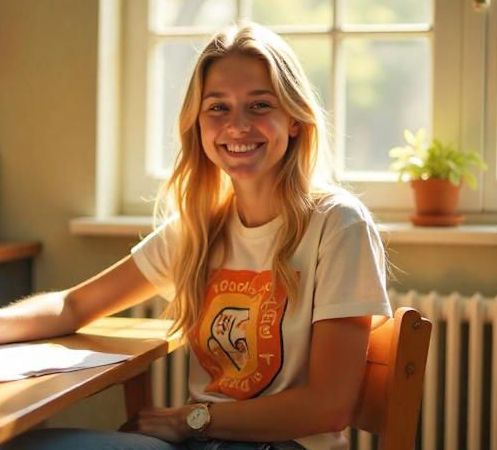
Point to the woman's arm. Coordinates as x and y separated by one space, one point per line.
326 403
57 313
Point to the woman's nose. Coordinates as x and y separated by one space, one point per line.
238 123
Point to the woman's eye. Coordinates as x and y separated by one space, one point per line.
217 107
259 106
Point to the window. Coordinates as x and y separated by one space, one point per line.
380 66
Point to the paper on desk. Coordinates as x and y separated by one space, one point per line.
19 361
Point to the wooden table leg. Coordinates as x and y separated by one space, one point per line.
138 393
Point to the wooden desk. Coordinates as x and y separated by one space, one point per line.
27 402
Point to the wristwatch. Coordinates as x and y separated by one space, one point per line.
198 419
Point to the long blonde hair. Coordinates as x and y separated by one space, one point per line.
203 195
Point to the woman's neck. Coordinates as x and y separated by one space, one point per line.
255 206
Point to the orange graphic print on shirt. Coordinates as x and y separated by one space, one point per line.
238 337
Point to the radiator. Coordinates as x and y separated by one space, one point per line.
459 409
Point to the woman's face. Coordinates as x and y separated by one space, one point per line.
244 129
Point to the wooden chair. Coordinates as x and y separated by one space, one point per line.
393 384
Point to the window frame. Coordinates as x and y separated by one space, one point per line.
464 74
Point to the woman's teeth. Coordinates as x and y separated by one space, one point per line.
241 148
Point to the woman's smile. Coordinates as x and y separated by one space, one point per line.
241 148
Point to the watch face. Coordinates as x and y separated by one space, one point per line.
198 417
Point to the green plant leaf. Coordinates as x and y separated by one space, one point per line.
455 178
420 160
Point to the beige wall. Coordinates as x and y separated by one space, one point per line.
47 164
47 134
443 268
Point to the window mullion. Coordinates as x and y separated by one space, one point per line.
243 10
473 93
490 183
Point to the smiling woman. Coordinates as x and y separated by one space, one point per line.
272 276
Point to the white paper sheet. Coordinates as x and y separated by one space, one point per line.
18 361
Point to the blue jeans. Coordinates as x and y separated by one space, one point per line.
81 439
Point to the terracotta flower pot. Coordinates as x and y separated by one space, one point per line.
436 203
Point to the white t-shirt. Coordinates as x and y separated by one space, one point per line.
249 343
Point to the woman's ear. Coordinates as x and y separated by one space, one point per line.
294 128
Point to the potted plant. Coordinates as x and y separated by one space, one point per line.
436 172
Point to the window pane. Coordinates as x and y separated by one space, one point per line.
178 59
387 90
315 55
292 12
214 13
387 11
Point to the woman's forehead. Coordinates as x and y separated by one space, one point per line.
237 72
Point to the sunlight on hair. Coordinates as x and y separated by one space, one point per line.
202 196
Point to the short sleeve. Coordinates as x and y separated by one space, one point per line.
153 256
351 274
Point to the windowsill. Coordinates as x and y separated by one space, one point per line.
391 232
406 233
130 226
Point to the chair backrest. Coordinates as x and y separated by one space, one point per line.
393 384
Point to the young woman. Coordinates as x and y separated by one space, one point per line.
273 278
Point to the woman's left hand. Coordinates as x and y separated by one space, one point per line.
168 424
